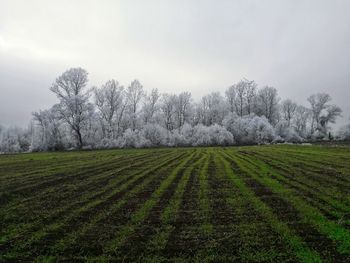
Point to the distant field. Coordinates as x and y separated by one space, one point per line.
243 204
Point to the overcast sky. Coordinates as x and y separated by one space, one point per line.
299 47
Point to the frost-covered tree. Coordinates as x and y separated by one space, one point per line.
74 105
187 134
2 129
220 136
155 134
241 97
288 109
14 140
301 119
49 133
268 103
151 106
344 133
214 135
237 126
135 118
249 129
131 139
333 112
134 94
92 130
318 103
323 113
110 102
260 130
230 95
251 97
168 107
201 136
182 108
286 132
211 110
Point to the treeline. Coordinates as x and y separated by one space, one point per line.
112 116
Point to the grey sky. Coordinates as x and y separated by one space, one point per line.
299 47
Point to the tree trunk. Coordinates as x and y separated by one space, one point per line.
80 139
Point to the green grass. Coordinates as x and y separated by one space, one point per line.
282 203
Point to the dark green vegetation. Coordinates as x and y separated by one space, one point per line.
243 204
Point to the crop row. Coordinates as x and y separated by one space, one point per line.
246 204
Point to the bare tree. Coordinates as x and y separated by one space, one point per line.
73 106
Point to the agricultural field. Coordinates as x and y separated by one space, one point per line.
282 203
